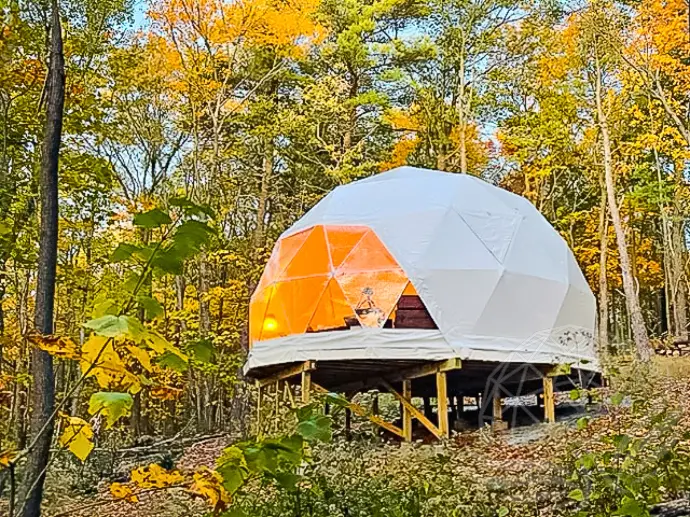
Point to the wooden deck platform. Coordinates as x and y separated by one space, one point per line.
446 381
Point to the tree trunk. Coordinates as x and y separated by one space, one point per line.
603 283
678 277
258 239
203 402
43 391
637 323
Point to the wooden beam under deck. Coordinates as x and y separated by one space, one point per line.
409 411
291 371
408 374
362 412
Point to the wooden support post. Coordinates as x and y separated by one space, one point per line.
442 397
259 403
288 395
427 407
306 386
406 414
498 423
549 404
348 424
408 407
375 405
460 400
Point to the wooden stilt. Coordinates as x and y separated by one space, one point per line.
348 424
549 403
442 396
375 405
413 411
259 403
288 394
427 407
498 423
460 404
306 386
406 414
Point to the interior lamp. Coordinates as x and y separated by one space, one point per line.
270 324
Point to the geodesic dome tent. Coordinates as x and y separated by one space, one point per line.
496 280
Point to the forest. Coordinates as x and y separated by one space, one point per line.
151 154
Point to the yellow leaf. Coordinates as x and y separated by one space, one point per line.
165 393
58 346
6 457
155 476
160 345
77 437
141 355
101 360
209 485
120 491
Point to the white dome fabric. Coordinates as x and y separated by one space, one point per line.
500 283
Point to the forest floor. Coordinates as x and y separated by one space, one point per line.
518 464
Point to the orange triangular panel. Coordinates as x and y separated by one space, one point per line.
369 254
341 241
257 312
332 311
311 259
292 305
373 294
283 252
410 290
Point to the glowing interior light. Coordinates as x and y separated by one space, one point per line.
270 324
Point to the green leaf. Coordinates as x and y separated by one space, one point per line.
622 441
287 480
336 399
232 466
582 423
503 511
151 306
575 394
617 399
202 350
234 512
152 219
191 236
104 307
632 508
172 361
124 252
191 208
113 405
169 261
115 326
316 428
588 461
576 495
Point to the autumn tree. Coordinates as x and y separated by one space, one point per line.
43 388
